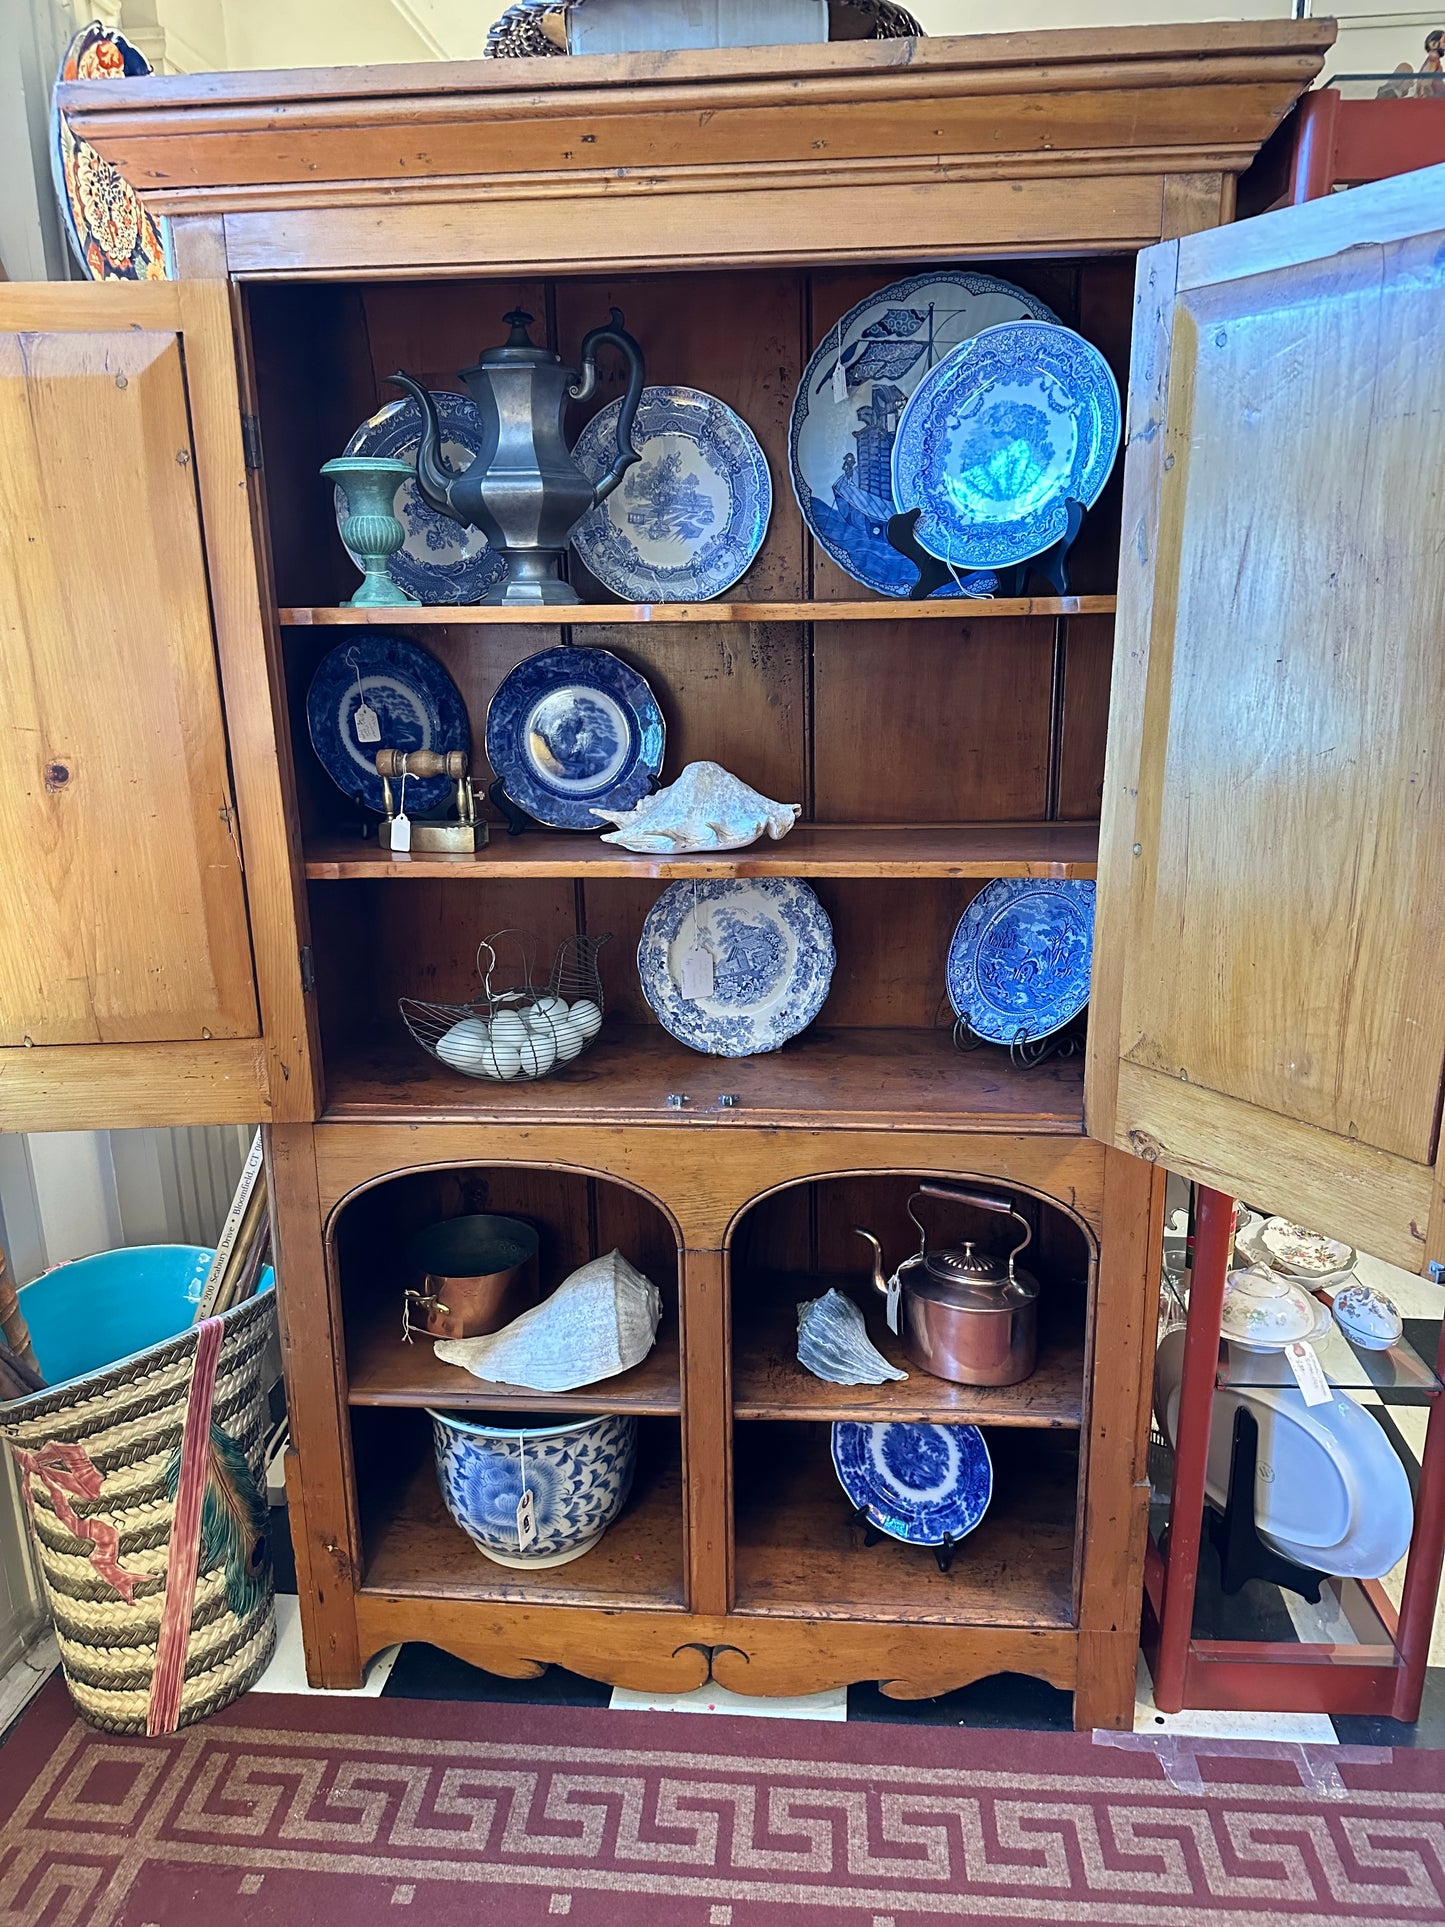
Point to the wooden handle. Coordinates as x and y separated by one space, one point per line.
960 1194
422 762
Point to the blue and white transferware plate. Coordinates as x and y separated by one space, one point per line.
999 438
570 730
1019 962
841 437
689 519
414 701
770 958
922 1484
440 561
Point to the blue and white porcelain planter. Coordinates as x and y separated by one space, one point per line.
579 1473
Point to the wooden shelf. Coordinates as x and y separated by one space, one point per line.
769 1383
811 850
869 1078
384 1370
798 1554
414 1549
573 615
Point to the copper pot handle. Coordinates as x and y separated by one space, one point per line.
985 1200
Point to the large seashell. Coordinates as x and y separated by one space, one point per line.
833 1343
600 1321
705 809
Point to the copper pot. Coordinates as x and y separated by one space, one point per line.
962 1314
477 1274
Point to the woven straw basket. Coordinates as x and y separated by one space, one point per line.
102 1452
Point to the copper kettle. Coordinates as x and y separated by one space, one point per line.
962 1314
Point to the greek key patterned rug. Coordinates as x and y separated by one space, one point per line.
337 1814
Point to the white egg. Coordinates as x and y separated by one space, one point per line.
545 1012
466 1046
503 1060
587 1017
569 1041
538 1054
508 1030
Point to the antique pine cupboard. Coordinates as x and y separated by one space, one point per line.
195 932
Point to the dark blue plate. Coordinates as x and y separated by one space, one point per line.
918 1483
415 701
574 729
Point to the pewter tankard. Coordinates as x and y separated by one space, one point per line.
523 490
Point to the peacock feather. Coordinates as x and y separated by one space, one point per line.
233 1520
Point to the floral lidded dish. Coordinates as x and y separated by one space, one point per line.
1265 1311
1368 1318
1297 1252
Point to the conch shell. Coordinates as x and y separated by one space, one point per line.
705 809
600 1321
833 1343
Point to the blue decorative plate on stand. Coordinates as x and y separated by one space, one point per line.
690 518
1019 962
440 561
767 958
998 440
414 701
570 730
923 1484
841 436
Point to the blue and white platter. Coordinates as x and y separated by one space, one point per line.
690 518
440 561
923 1484
1000 437
841 443
414 701
1019 962
771 957
570 730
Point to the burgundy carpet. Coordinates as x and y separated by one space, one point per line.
329 1813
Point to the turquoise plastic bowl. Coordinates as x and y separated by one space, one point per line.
94 1312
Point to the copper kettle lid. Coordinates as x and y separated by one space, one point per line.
970 1280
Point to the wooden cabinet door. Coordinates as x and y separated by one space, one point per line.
127 986
1269 1005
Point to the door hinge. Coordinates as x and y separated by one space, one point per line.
251 440
308 970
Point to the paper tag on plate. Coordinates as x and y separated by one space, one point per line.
895 1295
840 383
698 973
526 1520
367 724
1309 1373
400 833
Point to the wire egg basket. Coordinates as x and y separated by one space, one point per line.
523 1033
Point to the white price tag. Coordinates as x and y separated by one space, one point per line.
400 833
698 973
840 383
895 1295
367 724
526 1521
1309 1373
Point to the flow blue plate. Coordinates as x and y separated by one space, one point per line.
840 440
771 953
918 1483
1000 437
440 560
690 518
416 705
570 730
1019 962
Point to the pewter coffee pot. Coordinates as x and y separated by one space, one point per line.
962 1314
524 491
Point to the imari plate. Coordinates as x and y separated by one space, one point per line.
1019 962
109 230
440 561
1000 437
923 1484
733 968
572 731
690 518
848 403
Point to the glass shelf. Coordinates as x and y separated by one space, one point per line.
1399 1371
